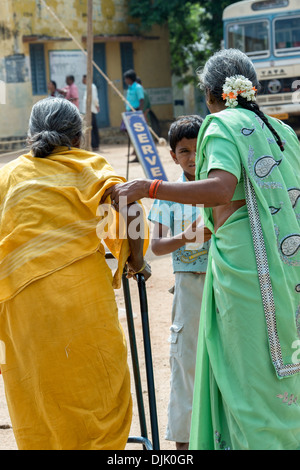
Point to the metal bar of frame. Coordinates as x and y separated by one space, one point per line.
148 360
136 369
143 439
128 156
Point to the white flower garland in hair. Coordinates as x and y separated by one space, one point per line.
235 86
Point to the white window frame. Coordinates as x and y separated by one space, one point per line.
253 55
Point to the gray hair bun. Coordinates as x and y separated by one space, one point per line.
54 122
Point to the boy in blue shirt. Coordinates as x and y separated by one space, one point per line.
189 265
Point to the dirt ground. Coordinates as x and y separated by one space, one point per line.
159 307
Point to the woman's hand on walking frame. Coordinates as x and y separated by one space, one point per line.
136 264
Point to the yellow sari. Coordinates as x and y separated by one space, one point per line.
63 353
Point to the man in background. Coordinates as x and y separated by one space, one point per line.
70 92
53 91
135 96
135 92
95 108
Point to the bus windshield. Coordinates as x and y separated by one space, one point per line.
287 36
252 38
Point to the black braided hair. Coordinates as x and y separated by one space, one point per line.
252 106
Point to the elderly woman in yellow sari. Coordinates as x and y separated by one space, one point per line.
63 355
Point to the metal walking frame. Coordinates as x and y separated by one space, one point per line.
143 439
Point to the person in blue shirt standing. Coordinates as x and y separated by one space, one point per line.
189 265
135 92
135 97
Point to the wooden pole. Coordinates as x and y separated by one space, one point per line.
89 73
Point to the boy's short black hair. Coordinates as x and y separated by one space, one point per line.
184 127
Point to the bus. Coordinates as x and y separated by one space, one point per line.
269 33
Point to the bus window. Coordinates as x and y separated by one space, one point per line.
251 38
287 36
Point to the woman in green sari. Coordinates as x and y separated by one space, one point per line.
247 386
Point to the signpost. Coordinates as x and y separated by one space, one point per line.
144 145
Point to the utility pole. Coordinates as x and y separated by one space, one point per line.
89 73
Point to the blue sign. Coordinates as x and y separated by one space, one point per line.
144 145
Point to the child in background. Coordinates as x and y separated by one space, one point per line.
189 265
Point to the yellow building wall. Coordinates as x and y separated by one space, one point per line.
153 65
29 18
114 71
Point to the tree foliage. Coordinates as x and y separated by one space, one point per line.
195 28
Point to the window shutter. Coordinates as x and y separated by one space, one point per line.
38 69
126 58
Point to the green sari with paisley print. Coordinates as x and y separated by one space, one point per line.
247 385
